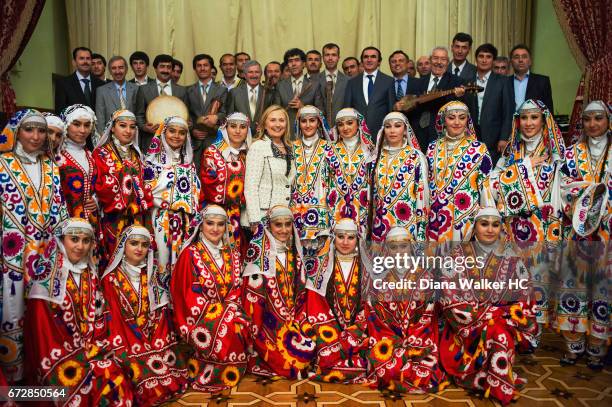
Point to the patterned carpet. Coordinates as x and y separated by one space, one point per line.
549 385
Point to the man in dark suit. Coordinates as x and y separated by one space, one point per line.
272 74
524 84
200 96
115 95
162 85
423 118
250 97
491 110
460 66
139 61
403 83
80 86
371 92
332 83
298 90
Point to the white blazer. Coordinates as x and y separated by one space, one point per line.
265 183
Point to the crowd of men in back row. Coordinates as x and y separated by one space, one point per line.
299 81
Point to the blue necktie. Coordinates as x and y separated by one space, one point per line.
86 91
400 92
370 86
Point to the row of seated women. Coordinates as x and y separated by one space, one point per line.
135 334
543 191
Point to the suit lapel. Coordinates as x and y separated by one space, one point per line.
77 86
530 86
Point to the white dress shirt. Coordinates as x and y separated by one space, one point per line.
79 77
453 66
167 91
365 83
482 82
431 82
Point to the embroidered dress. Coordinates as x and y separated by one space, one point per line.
349 163
140 325
73 352
206 294
30 209
333 315
77 169
273 293
530 199
222 177
174 184
458 180
310 186
123 196
583 306
400 193
482 326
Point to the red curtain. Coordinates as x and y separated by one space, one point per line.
587 25
18 17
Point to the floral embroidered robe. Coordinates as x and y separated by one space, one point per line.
122 193
348 184
272 297
29 216
144 339
223 184
482 326
310 189
458 183
400 194
209 318
175 190
68 346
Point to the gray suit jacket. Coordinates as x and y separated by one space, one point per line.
238 101
337 101
310 96
467 74
107 102
144 96
194 100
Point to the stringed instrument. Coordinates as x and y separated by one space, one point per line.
410 102
213 108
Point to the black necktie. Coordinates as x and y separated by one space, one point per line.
87 91
435 86
457 71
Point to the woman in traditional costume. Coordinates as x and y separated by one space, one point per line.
122 193
77 169
310 186
56 133
67 344
334 309
399 195
273 294
526 184
402 324
349 159
583 311
206 295
139 321
483 326
222 173
459 167
30 211
269 166
172 178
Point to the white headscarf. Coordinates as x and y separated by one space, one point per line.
228 150
81 112
161 153
54 288
108 136
157 284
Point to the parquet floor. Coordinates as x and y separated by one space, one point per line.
549 385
